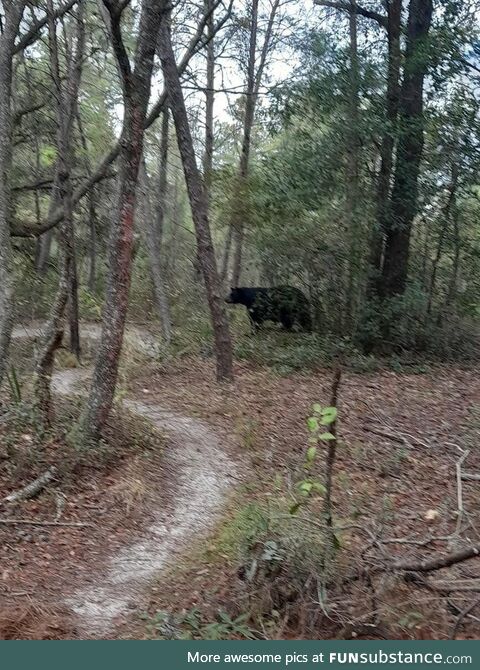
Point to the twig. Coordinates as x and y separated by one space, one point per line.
394 437
32 489
60 500
417 543
462 616
460 507
31 522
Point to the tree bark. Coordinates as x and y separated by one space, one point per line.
209 101
403 201
152 227
394 29
92 212
12 15
198 203
177 218
352 171
136 82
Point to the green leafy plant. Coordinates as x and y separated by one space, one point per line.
317 425
190 626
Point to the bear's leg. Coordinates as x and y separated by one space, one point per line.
286 320
255 320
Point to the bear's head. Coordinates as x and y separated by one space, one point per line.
234 297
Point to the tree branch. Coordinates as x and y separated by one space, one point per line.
197 43
381 19
32 34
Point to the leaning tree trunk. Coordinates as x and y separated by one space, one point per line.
403 201
11 20
136 84
199 205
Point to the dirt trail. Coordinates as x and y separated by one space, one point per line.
204 476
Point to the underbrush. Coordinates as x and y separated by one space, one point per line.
286 353
407 327
276 569
27 450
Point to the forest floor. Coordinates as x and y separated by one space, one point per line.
233 449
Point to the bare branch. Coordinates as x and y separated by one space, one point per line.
438 563
32 34
381 19
197 43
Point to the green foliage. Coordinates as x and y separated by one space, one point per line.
400 329
242 530
89 305
310 486
192 626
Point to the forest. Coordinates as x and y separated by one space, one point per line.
239 319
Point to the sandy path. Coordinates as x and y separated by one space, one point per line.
204 476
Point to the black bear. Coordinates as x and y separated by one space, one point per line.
282 304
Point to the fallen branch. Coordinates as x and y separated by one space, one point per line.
394 437
460 506
34 488
438 563
401 437
470 477
31 522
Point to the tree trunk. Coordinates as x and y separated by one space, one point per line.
403 201
92 212
352 172
198 203
65 95
452 286
226 254
153 231
209 101
44 247
12 14
239 209
394 30
441 240
254 80
177 218
136 84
